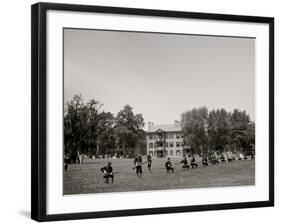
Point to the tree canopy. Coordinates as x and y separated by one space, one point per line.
129 128
218 130
193 124
89 129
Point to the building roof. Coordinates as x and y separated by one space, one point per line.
164 127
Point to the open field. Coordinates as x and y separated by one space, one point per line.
87 177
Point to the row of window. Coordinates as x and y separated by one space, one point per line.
168 135
171 144
178 153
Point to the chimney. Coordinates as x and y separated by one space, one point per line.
149 124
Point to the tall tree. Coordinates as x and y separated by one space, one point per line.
129 129
193 125
74 126
242 131
105 133
85 126
219 129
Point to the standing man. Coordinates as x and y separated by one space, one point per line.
169 166
108 173
149 161
138 165
66 162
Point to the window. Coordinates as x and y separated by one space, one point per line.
178 135
159 144
182 135
171 152
178 153
171 135
167 144
150 145
159 135
167 136
171 144
150 153
155 145
182 143
178 144
150 136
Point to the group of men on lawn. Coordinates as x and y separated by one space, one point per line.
108 170
109 174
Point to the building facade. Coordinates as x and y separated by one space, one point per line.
165 140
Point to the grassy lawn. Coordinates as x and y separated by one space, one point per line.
87 177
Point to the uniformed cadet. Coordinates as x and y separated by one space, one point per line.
240 156
205 161
66 162
169 166
230 159
193 164
108 173
222 158
214 160
149 162
138 165
184 163
253 154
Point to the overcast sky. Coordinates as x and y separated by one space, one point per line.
159 75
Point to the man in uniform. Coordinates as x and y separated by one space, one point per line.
138 165
240 156
253 154
66 162
214 160
222 158
169 166
184 163
108 173
205 161
149 161
194 164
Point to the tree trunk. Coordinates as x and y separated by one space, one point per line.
98 148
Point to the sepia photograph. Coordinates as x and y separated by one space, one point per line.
146 111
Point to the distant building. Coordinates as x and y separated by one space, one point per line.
165 140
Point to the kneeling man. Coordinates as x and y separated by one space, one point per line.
108 173
169 166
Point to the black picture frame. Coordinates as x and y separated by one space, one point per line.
39 107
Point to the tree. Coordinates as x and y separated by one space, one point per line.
129 129
74 126
193 125
106 137
219 129
242 131
85 127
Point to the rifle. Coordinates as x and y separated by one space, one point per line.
112 173
197 162
140 164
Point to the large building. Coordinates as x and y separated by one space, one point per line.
165 140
